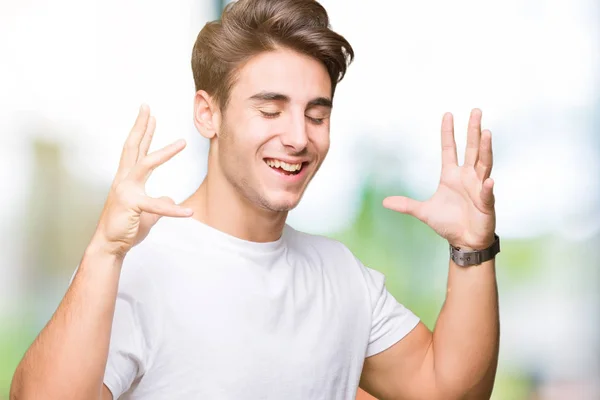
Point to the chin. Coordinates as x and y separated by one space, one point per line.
280 203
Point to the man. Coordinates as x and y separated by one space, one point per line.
222 299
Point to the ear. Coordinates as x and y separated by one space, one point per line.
207 117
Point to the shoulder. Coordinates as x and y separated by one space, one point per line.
332 253
323 245
333 250
170 238
146 263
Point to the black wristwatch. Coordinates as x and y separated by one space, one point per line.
466 258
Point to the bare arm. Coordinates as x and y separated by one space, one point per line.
458 360
68 358
106 394
467 334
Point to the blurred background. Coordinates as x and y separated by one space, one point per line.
74 73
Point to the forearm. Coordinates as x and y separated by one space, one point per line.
466 335
68 358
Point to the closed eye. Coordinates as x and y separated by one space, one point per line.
316 121
270 115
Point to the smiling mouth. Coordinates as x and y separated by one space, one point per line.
285 168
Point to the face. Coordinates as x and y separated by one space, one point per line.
274 134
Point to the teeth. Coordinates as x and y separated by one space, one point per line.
284 165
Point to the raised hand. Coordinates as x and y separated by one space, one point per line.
129 213
462 209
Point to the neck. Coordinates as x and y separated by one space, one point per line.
221 206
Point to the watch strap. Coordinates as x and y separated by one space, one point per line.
466 258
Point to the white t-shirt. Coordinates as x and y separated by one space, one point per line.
201 314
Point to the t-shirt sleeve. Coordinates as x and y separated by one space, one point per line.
126 351
391 321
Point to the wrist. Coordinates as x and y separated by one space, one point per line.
99 262
474 244
101 248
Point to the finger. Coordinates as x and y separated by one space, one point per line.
473 138
487 193
147 164
404 205
147 139
150 219
132 144
164 207
448 143
486 158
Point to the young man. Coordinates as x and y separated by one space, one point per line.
222 299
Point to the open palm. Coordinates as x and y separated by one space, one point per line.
462 208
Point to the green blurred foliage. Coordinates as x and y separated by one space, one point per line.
16 334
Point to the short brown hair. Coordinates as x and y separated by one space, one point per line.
250 27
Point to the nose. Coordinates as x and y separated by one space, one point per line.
295 136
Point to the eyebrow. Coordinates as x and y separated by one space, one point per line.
272 96
320 101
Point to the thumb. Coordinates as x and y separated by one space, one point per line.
404 205
152 219
165 199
